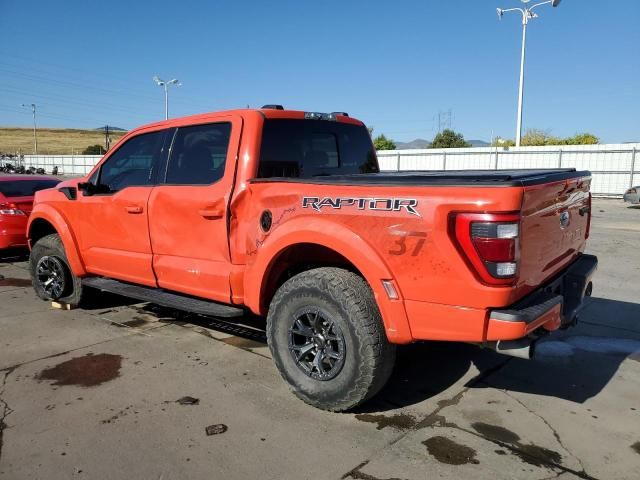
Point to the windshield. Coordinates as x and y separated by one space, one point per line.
311 148
25 188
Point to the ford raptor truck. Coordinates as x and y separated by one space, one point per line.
285 214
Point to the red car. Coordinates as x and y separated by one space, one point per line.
16 203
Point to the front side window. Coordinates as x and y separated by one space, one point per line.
133 163
199 154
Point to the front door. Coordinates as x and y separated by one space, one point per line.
188 213
113 231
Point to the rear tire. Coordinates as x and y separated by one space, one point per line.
51 275
327 339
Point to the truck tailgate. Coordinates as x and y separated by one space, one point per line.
554 228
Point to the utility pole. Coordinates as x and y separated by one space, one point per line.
444 120
166 85
527 14
106 138
35 135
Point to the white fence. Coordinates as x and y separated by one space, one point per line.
615 167
75 165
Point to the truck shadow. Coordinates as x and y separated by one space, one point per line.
13 255
574 365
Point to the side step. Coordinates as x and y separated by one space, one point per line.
163 297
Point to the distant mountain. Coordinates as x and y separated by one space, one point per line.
417 143
111 128
479 143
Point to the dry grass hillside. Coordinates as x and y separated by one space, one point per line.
64 141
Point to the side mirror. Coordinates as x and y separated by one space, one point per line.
87 188
555 3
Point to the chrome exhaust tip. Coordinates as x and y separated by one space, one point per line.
522 348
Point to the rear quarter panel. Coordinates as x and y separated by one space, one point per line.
415 251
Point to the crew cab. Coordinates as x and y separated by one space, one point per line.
285 214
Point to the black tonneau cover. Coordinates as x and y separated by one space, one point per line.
444 178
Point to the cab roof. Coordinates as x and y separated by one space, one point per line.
269 113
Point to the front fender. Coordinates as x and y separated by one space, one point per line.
341 240
45 212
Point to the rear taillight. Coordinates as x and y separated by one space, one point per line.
490 244
10 209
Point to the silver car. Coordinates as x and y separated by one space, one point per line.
632 195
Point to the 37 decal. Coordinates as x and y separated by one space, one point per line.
401 243
379 204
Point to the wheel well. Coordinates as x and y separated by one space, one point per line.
40 228
297 259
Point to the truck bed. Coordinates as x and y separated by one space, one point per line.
446 178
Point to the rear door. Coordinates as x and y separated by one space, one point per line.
112 227
188 213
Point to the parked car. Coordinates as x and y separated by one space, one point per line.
285 214
632 195
16 202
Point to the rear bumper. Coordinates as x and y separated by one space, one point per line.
13 231
553 306
632 198
8 240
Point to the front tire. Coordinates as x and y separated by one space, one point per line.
51 275
327 339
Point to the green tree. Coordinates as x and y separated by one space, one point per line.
449 139
94 150
534 137
502 142
383 143
585 138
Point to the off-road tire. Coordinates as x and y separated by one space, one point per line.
348 299
51 246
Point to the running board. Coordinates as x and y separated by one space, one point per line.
163 297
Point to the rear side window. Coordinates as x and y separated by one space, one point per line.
133 163
25 188
199 154
311 148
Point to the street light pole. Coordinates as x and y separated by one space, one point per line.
35 135
166 85
527 14
525 21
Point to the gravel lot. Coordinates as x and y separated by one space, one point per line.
132 391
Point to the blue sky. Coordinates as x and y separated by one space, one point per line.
392 64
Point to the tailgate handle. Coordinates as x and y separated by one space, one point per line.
211 213
584 210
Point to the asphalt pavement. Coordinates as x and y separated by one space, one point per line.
135 391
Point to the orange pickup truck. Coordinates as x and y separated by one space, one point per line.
285 214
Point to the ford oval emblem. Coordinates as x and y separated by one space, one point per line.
565 219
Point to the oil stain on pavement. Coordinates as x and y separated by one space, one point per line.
530 453
447 451
400 421
86 371
15 282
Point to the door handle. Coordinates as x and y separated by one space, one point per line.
211 213
133 209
